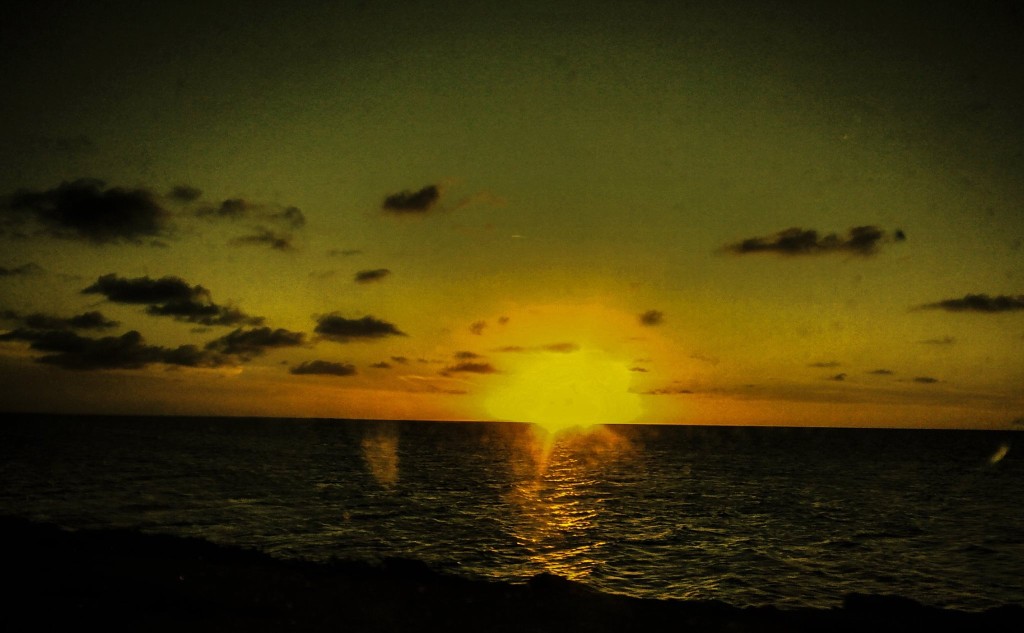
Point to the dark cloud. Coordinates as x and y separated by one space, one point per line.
711 360
370 276
241 209
24 269
266 237
128 351
978 303
558 348
882 372
247 344
412 202
93 320
825 365
344 252
204 313
652 317
638 370
469 367
192 356
401 360
466 355
946 340
860 240
838 377
337 328
232 208
324 367
184 193
381 365
290 216
86 209
170 296
143 290
926 380
667 391
478 327
561 348
502 320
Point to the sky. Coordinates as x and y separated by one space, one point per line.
783 213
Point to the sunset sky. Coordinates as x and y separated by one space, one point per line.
702 213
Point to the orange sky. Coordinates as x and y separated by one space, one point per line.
651 213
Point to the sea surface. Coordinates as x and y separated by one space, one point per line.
751 516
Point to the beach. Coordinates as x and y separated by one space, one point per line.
122 579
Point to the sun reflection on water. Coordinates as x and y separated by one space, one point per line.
559 507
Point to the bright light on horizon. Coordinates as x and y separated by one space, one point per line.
563 391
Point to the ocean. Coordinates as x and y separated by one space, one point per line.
750 516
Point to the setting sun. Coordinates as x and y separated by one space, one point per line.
563 391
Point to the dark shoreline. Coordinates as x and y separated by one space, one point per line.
121 579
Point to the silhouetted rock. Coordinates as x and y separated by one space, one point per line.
119 579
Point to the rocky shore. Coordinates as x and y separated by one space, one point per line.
124 580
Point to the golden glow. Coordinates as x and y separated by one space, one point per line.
559 391
380 452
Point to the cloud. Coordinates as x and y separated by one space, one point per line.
232 209
978 303
237 209
24 269
143 290
838 377
638 370
184 193
93 320
381 365
561 348
324 367
206 314
514 349
412 202
667 391
882 372
925 380
337 328
247 344
558 348
401 360
170 296
466 355
370 276
502 320
652 317
860 240
266 237
344 252
477 327
290 216
87 210
128 351
469 367
825 365
946 340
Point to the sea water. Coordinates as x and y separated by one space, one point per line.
751 516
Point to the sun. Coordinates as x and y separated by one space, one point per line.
561 391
